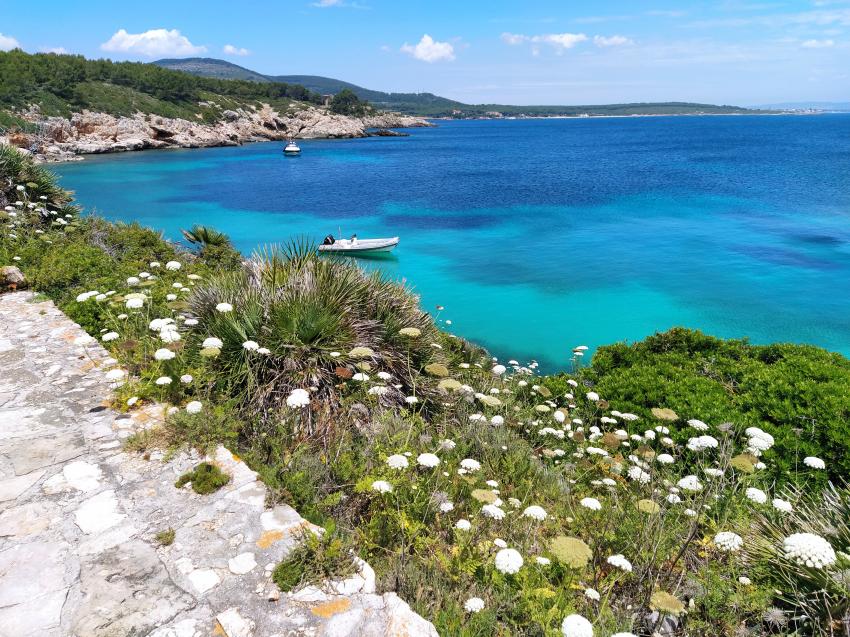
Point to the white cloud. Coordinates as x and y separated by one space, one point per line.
58 50
153 43
614 40
818 44
560 41
7 43
229 49
429 50
513 38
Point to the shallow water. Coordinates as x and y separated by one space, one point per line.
540 235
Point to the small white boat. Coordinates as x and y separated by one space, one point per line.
291 148
355 246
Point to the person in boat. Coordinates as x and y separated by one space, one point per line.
354 239
329 240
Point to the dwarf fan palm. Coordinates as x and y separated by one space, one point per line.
311 312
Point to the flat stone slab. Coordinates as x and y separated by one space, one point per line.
79 516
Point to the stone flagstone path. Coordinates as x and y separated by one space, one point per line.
78 517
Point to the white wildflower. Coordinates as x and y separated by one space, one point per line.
492 511
508 561
470 465
814 462
535 512
298 398
397 461
808 549
728 541
163 354
576 626
620 562
591 503
428 460
756 495
194 407
474 605
382 486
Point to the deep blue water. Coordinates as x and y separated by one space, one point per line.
540 235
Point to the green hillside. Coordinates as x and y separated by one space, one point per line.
63 84
430 105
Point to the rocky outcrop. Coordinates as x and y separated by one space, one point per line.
79 517
11 278
84 133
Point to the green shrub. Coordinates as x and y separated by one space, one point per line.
320 557
206 478
798 393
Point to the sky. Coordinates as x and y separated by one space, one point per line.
743 52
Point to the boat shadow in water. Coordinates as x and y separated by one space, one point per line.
365 256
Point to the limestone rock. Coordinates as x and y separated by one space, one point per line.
90 132
11 278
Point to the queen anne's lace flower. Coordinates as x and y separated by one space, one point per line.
689 483
701 443
756 495
493 511
808 549
463 525
620 562
212 342
171 265
639 475
782 505
474 605
194 407
576 626
298 398
164 354
699 425
470 465
427 460
382 486
591 503
508 561
397 461
535 512
814 462
728 541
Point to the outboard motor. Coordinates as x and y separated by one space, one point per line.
329 240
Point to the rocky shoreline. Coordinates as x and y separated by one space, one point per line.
85 133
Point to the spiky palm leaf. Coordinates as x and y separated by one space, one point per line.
206 236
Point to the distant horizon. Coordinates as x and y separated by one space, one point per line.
730 52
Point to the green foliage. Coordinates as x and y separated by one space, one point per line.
347 103
307 310
798 393
214 247
320 557
61 84
166 537
206 478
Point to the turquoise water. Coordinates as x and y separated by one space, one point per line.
540 235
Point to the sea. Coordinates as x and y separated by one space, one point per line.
537 236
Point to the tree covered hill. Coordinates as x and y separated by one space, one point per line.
63 84
430 105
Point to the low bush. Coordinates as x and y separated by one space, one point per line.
206 478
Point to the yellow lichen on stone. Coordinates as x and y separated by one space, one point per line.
329 609
268 538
